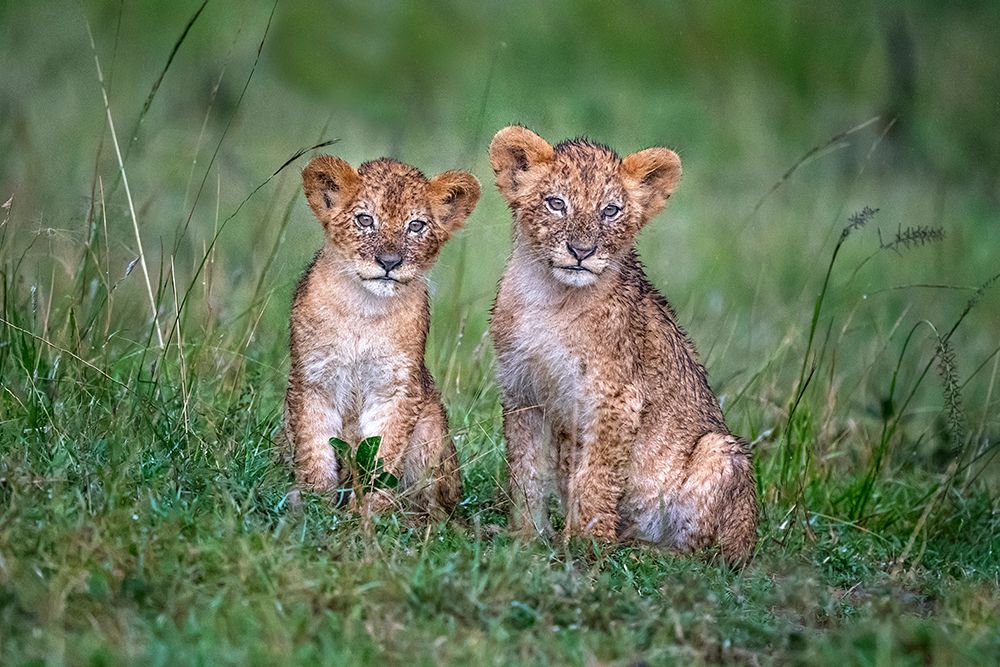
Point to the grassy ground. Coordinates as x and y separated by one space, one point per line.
143 508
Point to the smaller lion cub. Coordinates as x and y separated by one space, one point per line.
359 325
602 391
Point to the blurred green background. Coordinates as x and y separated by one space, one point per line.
741 92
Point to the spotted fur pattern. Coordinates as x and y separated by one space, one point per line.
605 401
359 327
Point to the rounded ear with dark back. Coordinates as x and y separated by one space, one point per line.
651 175
514 152
330 184
453 195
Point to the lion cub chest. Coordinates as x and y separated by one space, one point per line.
543 365
359 375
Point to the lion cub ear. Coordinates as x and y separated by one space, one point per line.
453 195
330 184
514 152
651 176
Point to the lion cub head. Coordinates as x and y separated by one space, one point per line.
578 206
386 220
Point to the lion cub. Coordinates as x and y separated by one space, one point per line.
359 324
590 355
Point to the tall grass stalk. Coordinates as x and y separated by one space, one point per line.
128 193
795 456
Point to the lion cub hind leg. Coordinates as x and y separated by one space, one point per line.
431 469
722 495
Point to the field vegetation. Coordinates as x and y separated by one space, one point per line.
832 250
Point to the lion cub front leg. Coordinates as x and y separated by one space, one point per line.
431 472
523 430
311 419
598 476
391 416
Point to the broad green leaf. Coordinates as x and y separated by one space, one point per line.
367 456
386 480
342 448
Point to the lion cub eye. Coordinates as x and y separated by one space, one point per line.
555 204
611 211
364 220
416 226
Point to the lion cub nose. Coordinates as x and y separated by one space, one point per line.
389 261
581 252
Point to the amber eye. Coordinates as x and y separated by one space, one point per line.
416 226
611 211
555 204
364 220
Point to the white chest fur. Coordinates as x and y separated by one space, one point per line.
362 376
540 367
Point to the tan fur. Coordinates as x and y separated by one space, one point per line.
602 390
358 330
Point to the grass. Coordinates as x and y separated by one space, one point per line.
143 507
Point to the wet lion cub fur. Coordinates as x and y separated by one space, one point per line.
602 390
359 325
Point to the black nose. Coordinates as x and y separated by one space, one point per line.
580 252
389 261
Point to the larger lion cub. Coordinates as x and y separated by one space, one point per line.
602 390
359 325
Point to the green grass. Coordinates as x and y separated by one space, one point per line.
143 509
